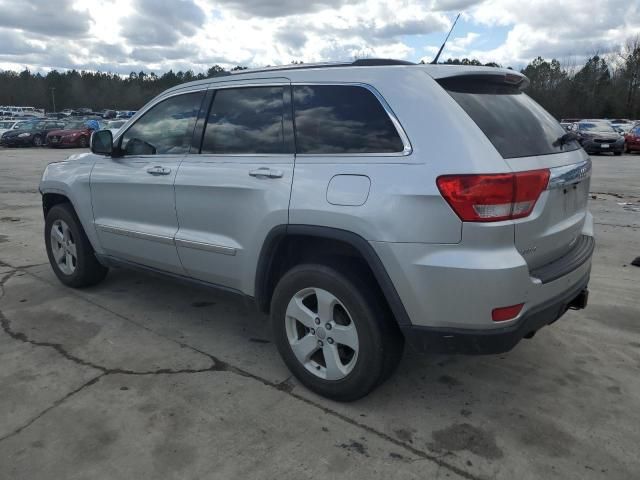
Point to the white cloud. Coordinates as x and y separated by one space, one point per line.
158 35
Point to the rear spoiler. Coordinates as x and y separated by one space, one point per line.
470 73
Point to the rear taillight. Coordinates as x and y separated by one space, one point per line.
495 196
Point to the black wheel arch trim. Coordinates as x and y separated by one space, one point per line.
280 232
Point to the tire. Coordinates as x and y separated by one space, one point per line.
357 305
81 270
82 142
37 141
625 149
617 154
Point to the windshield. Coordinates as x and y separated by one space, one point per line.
599 127
514 123
31 126
74 126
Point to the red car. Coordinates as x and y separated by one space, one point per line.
74 134
632 139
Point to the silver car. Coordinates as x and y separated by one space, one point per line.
362 205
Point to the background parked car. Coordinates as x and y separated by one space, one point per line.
114 126
598 136
125 114
11 124
632 139
31 133
73 134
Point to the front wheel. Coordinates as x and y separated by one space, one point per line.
82 142
334 332
37 141
70 253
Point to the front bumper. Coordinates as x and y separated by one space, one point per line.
16 142
591 146
58 141
470 341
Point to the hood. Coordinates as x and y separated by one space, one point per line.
15 133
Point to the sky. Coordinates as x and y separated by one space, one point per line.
121 36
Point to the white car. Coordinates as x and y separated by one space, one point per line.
114 126
24 112
6 125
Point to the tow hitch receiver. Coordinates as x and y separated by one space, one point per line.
580 301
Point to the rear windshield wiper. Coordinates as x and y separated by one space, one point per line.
564 139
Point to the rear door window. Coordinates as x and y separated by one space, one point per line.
339 119
248 120
514 123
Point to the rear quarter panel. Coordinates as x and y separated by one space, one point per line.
404 204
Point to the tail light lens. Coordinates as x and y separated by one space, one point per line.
493 197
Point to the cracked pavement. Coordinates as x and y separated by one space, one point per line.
140 377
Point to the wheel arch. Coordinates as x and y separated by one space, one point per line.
52 198
289 245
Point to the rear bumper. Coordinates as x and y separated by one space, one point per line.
477 341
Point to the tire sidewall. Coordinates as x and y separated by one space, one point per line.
60 212
368 366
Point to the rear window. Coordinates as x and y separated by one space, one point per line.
339 119
515 124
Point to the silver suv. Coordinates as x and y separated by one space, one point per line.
361 205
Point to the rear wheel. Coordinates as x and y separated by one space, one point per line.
82 142
70 253
617 154
334 332
37 141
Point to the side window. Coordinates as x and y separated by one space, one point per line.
336 119
166 128
246 120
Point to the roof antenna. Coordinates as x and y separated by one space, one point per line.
435 60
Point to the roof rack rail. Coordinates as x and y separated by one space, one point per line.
362 62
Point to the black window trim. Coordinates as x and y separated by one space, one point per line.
406 151
287 120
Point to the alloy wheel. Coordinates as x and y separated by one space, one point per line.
322 334
63 247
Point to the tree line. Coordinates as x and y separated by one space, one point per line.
604 87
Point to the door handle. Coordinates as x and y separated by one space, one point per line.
264 172
158 170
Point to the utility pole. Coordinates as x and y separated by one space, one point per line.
53 97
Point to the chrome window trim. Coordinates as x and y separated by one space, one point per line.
207 247
407 150
564 176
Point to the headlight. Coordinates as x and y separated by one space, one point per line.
24 135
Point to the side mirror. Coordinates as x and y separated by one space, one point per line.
101 142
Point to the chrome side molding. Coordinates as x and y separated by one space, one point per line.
134 234
569 174
207 247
